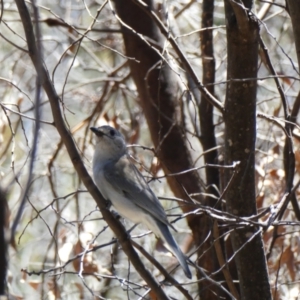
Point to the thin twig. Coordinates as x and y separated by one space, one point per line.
75 157
209 97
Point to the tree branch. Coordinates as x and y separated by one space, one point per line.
74 155
208 96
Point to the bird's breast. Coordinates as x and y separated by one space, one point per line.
124 206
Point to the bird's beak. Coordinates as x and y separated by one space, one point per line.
97 131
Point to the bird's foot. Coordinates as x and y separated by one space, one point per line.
115 214
108 204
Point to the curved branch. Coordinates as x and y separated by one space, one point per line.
74 155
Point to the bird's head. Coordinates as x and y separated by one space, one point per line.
110 143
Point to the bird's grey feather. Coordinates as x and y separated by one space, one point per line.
126 178
169 240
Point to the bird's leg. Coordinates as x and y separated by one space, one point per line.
115 214
108 204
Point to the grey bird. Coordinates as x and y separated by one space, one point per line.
121 183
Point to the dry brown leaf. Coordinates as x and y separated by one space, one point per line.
34 284
288 259
277 110
89 264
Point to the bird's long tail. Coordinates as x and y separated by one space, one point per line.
167 237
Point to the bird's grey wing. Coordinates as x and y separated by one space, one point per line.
126 178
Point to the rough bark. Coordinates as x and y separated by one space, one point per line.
208 259
240 135
294 11
208 139
3 243
289 156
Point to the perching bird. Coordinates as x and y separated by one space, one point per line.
121 183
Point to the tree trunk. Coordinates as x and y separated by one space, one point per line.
208 259
240 135
158 90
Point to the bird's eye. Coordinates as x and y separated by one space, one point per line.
112 132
